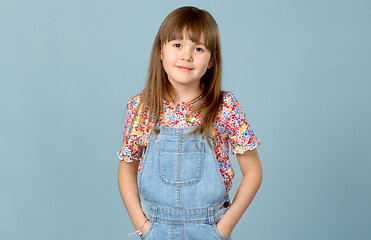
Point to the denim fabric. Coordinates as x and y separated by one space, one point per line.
181 189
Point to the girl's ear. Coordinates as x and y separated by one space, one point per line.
211 64
161 54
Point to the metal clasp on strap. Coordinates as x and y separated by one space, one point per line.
157 131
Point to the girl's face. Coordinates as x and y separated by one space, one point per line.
185 62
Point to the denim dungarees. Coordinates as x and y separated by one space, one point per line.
180 186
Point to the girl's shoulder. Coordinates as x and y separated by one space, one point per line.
228 95
229 99
134 101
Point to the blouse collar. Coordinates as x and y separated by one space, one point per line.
191 102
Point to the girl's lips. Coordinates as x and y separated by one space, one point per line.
184 68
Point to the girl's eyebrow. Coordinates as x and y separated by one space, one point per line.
182 40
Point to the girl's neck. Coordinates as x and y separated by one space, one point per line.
185 94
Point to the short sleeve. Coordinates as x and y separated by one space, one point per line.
240 134
132 147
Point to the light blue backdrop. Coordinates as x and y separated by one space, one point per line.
300 69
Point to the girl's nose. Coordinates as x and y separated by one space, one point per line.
186 55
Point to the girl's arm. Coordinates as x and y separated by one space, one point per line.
127 181
252 178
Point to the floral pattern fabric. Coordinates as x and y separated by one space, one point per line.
231 128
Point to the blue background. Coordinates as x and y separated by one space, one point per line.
300 69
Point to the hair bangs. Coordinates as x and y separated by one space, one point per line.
190 25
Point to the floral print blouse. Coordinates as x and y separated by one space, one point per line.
231 128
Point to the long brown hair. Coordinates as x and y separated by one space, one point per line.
194 24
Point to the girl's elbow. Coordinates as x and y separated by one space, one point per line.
259 174
260 179
256 175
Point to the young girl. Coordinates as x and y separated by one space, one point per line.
175 173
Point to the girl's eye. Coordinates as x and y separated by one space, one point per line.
177 45
198 49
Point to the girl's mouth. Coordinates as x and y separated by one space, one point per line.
184 68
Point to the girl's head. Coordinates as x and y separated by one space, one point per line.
192 24
199 27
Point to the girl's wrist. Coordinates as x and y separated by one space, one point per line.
146 228
226 224
139 230
224 228
138 224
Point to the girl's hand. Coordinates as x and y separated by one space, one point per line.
146 227
224 230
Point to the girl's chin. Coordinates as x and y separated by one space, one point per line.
185 82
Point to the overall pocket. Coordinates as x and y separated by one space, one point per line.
217 233
148 233
180 164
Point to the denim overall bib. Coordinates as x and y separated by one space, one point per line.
180 186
